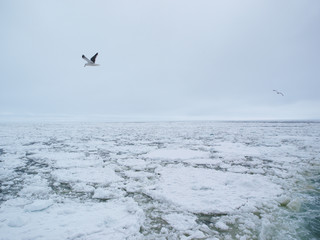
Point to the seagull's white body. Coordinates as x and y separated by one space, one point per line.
277 92
92 61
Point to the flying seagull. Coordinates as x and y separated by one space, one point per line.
277 92
92 61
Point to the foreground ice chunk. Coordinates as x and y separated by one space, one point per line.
294 205
73 220
209 191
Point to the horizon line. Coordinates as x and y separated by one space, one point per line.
142 118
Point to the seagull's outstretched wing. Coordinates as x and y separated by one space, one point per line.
277 92
85 58
93 59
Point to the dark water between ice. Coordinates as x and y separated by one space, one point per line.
310 210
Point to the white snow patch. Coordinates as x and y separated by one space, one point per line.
5 173
38 205
138 174
17 202
83 187
181 222
238 169
17 221
176 154
222 226
136 164
34 190
35 186
230 150
71 220
88 175
202 161
209 191
72 159
103 193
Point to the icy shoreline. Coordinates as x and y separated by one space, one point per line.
178 180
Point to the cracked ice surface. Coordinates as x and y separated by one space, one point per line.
175 180
209 191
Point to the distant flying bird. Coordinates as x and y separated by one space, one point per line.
92 61
277 92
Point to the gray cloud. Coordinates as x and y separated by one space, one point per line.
161 59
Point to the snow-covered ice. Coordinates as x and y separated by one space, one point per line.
101 175
174 154
210 191
166 180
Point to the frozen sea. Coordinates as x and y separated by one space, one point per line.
160 180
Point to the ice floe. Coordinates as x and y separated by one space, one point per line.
175 180
73 220
201 190
38 205
176 154
89 174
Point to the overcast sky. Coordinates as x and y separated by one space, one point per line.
160 59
